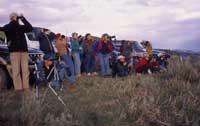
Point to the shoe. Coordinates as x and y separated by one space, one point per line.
89 74
149 71
94 73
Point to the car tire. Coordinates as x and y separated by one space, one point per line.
3 78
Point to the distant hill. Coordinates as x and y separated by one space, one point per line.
183 53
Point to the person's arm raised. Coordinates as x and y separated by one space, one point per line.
27 27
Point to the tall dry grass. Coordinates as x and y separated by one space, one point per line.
170 98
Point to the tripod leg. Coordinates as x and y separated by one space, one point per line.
37 91
59 98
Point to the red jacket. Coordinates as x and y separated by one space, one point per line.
141 63
109 45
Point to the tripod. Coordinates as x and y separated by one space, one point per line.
53 71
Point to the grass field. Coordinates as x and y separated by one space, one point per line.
171 98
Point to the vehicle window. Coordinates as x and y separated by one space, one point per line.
137 46
2 37
31 36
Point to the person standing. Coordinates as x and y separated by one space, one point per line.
76 50
126 48
103 48
147 45
62 47
46 38
89 54
18 50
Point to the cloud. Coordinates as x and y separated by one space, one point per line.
168 24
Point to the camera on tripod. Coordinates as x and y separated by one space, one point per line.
51 69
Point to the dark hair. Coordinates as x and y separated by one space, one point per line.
87 35
123 41
63 36
80 36
103 36
74 33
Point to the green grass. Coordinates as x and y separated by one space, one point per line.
171 98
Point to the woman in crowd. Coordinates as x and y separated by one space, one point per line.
88 51
76 50
104 47
62 48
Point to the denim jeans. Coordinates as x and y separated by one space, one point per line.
89 63
104 63
83 68
77 63
68 60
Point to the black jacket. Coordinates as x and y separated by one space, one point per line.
122 70
15 35
46 44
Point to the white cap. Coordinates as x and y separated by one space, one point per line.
120 57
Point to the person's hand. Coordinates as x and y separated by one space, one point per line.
129 65
47 32
21 16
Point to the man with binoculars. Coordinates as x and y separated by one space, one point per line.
18 49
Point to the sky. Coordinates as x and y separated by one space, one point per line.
169 24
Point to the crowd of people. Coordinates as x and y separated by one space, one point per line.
74 56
